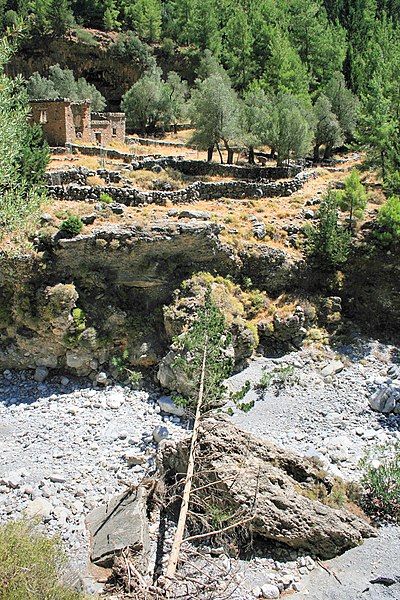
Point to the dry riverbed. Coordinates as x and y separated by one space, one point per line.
67 447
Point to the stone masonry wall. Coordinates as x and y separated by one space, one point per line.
197 191
192 167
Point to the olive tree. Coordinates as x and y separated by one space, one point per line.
215 114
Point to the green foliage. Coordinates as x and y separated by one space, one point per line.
353 199
389 222
381 481
61 83
122 364
279 377
238 396
105 198
207 332
145 18
129 45
31 565
215 113
327 130
79 320
291 131
23 155
85 37
149 104
328 244
72 225
34 155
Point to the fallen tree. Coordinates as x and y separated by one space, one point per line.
269 488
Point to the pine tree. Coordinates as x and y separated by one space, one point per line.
21 153
353 199
59 16
328 244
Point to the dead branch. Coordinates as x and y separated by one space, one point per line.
176 546
218 531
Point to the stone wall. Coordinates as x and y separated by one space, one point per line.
153 142
197 191
195 168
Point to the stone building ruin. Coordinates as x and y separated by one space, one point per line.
64 122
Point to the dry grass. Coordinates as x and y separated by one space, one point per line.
233 214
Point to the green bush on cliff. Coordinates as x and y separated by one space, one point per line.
328 244
389 222
381 481
72 225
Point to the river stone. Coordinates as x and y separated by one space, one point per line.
115 400
119 524
384 400
270 591
194 214
160 433
40 507
41 374
335 366
168 406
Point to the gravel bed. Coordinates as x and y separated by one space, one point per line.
67 448
322 413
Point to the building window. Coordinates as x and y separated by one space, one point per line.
97 136
114 132
43 117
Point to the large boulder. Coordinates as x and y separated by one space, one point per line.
271 485
121 523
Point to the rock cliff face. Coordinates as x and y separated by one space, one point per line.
112 75
372 289
83 300
87 298
118 278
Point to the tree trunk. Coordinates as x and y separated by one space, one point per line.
316 153
328 151
210 152
220 154
176 546
251 155
230 156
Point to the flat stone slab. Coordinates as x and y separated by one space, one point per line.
119 524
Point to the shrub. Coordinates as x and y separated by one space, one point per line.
328 244
280 376
79 320
389 222
31 565
122 364
381 481
105 198
72 225
86 37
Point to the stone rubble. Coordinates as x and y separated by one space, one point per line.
67 447
324 413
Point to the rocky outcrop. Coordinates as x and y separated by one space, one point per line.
371 290
237 308
112 74
88 298
269 485
270 269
